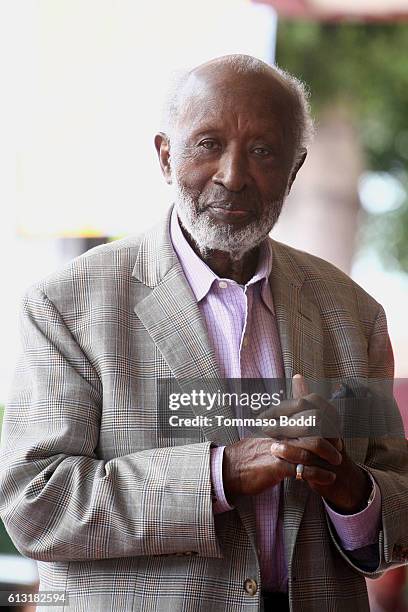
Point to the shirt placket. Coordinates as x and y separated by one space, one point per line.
244 348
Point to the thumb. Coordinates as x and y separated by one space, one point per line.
299 386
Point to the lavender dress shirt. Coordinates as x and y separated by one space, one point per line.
242 329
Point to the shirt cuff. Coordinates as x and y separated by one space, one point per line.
360 529
219 500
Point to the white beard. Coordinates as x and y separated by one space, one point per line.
210 235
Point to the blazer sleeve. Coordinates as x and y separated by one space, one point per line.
58 500
387 460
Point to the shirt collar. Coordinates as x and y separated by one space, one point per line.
200 277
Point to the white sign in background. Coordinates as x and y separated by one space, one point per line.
95 78
82 82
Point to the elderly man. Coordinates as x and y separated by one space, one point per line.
121 513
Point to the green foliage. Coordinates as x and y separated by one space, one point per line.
365 69
6 546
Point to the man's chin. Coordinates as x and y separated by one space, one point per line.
236 237
231 242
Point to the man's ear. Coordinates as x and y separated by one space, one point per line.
297 167
162 144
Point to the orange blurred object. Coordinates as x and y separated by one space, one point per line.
387 593
338 10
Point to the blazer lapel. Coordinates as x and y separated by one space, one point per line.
172 318
301 337
298 318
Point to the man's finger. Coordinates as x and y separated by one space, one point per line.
317 475
287 408
309 451
319 447
311 473
299 386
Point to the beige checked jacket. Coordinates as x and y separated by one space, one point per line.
116 512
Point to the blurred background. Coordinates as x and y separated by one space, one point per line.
82 85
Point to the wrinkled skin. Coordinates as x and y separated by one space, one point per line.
254 464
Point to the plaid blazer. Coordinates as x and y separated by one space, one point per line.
118 514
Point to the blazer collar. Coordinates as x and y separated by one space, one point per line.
297 314
156 255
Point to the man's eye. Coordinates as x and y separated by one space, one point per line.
208 144
261 151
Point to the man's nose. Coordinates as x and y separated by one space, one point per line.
232 171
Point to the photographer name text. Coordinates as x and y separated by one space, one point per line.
220 420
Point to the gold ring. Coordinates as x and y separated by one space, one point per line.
299 471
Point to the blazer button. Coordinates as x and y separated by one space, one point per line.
250 586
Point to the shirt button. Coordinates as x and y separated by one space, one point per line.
222 285
250 586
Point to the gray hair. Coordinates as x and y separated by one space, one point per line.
303 125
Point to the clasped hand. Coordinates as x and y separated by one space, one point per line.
254 464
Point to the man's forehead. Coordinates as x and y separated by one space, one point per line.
218 77
211 89
198 121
